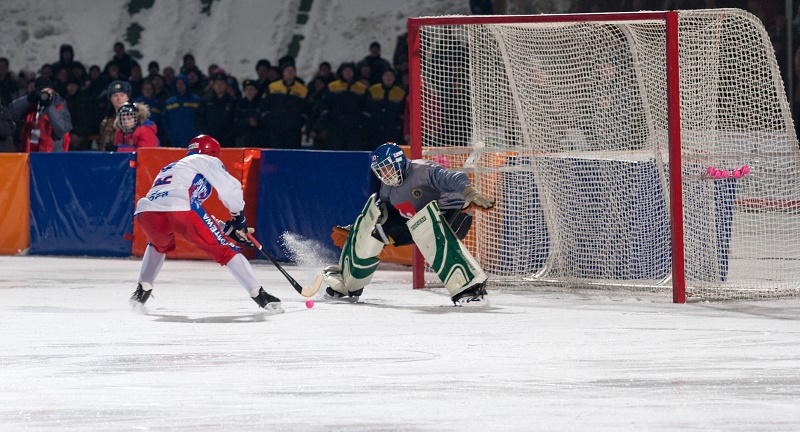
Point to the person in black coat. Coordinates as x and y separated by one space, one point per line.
215 116
122 60
7 128
249 129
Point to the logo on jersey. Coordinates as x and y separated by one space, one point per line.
156 195
162 181
416 193
212 225
199 190
419 222
406 209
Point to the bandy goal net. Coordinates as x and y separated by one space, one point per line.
651 150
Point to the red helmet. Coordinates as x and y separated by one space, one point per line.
204 144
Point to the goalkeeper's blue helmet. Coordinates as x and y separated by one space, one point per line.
389 163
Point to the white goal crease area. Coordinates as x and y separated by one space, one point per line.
649 151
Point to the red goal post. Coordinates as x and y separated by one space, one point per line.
615 145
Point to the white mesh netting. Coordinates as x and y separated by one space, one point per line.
566 125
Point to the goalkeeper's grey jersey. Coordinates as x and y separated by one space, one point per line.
423 182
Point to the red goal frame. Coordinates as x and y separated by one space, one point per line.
673 116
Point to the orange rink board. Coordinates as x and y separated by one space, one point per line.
15 205
240 163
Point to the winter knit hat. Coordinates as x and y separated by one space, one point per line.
43 82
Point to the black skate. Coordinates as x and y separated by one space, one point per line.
268 302
472 296
140 296
332 294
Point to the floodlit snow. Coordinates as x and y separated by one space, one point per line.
76 358
235 36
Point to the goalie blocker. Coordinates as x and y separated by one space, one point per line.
455 266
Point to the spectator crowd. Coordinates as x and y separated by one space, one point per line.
120 107
357 106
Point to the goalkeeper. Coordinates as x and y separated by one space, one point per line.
419 202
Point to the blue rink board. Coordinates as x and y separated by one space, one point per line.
307 193
81 203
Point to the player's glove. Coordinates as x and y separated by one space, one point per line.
384 209
236 228
472 196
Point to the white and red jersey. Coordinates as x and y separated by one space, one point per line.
185 184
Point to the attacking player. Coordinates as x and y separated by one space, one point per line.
419 202
174 206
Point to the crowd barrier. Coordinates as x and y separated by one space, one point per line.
14 203
81 203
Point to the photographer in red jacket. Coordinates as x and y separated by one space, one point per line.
44 119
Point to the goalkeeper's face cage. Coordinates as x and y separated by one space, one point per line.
389 163
128 117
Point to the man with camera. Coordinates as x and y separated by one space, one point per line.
44 119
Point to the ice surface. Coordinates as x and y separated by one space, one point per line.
75 358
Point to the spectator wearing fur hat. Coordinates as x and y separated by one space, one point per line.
44 118
134 130
118 92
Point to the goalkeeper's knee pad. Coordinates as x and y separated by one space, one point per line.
359 258
443 251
